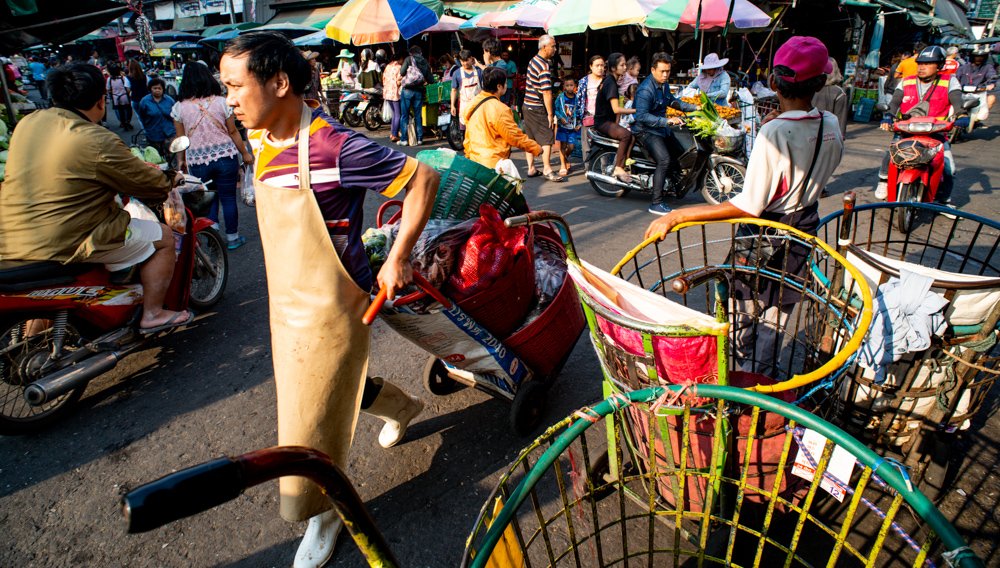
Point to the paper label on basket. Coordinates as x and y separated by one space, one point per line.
838 470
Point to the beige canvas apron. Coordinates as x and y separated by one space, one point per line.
318 344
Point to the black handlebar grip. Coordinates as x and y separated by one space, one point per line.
182 494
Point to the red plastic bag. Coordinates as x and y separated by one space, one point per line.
489 253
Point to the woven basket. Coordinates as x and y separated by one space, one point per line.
465 185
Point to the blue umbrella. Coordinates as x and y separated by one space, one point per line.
317 39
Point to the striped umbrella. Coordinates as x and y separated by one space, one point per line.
575 16
524 14
703 14
364 22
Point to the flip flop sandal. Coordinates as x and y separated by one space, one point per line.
187 316
564 172
552 176
534 174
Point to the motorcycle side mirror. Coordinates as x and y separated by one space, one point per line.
179 144
881 107
969 104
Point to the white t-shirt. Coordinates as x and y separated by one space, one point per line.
780 159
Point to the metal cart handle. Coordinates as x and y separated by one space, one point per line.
202 487
555 219
427 289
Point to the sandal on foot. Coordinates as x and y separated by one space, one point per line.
563 172
533 174
179 319
552 176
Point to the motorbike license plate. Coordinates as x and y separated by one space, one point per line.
362 105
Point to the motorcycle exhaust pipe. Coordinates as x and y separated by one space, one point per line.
614 181
61 382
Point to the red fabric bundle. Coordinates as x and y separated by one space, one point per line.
489 253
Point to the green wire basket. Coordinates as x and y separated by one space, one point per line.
560 505
466 185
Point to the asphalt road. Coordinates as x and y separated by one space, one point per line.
208 391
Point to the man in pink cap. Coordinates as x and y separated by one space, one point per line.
795 153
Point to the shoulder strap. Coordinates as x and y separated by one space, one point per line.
479 104
819 142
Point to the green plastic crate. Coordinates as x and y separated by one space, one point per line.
465 185
438 93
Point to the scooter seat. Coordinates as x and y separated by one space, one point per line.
20 275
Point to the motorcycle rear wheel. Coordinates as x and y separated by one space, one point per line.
351 117
908 193
456 137
603 162
723 182
19 367
210 256
373 117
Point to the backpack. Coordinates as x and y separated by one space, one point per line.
414 76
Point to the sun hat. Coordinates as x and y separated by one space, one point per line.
345 54
712 61
806 56
309 55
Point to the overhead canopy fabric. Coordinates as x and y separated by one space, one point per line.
311 17
470 8
953 13
54 22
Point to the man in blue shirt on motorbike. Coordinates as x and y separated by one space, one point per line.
652 127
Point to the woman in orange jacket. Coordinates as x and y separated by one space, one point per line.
490 130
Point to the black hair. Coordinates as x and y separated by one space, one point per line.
75 86
796 90
594 58
493 47
271 53
464 55
569 77
198 82
613 59
661 57
493 78
633 61
156 81
415 51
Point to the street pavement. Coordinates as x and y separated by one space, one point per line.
207 391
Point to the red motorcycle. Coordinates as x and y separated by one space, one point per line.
62 325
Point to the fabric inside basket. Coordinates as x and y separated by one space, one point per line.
968 307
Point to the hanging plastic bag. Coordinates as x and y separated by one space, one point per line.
386 112
173 212
138 210
247 193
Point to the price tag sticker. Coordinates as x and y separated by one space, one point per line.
841 464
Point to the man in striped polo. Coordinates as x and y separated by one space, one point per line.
539 108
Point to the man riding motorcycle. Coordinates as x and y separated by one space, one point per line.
58 201
925 94
652 127
981 74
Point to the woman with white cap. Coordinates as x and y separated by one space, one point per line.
713 80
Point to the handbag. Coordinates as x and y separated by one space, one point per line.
752 246
588 120
414 76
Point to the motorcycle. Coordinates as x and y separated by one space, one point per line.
916 165
62 325
978 111
362 107
704 163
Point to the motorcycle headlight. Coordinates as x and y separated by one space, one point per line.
920 127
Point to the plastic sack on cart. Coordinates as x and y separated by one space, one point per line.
682 359
489 253
436 252
506 167
550 272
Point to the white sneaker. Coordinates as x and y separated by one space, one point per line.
318 543
882 190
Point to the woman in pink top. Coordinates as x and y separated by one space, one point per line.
216 146
392 79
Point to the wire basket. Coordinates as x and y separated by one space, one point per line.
915 404
781 326
466 185
560 505
728 145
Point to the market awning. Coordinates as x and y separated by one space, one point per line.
54 21
948 18
311 17
471 8
953 13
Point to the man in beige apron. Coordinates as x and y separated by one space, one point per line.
319 345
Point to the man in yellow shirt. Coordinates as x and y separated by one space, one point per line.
490 130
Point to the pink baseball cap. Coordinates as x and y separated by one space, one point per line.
806 56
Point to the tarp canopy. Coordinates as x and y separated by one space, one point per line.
312 17
470 8
25 23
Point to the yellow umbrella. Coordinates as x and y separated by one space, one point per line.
575 16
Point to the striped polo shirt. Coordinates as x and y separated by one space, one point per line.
539 80
343 166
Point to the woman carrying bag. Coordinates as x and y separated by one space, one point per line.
216 146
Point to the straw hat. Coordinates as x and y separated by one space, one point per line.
309 55
345 54
712 61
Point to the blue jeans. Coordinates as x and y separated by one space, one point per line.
413 99
396 115
224 173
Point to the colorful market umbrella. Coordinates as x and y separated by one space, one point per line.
703 14
446 24
524 14
575 16
317 39
364 22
